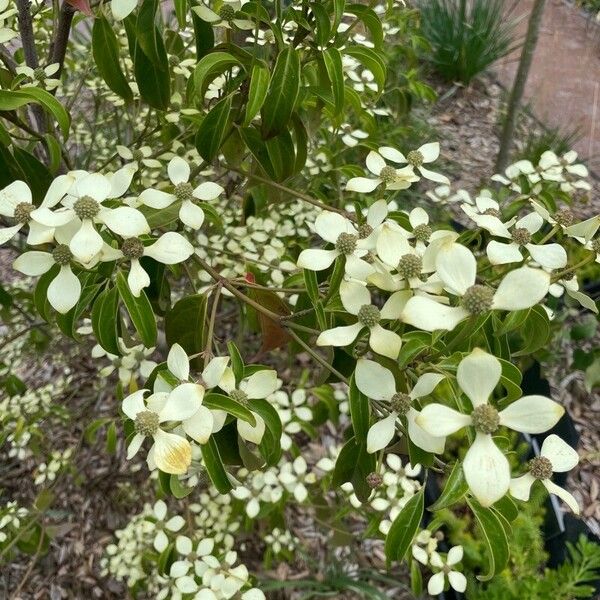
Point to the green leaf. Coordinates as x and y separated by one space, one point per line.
105 50
105 320
370 20
35 173
333 64
140 311
359 411
204 34
404 528
13 99
354 464
258 149
147 34
495 538
185 324
216 401
214 466
213 129
153 79
178 489
370 59
68 322
312 286
237 364
454 490
211 66
282 94
535 331
259 85
270 445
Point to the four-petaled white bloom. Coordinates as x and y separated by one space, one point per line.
486 469
174 524
170 248
83 207
426 153
394 179
16 202
225 17
42 76
170 452
357 301
179 174
341 232
556 456
457 269
456 579
378 383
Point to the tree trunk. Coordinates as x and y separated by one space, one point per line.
516 95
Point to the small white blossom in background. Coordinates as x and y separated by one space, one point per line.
281 541
11 515
47 471
447 571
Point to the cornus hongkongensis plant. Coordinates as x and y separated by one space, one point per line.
208 205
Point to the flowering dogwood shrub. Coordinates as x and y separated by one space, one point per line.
204 191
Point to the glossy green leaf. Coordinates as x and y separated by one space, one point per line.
257 93
147 34
270 445
333 64
370 59
214 466
494 536
140 311
185 324
213 129
354 464
404 528
282 94
105 320
454 490
211 66
105 50
216 401
13 99
360 412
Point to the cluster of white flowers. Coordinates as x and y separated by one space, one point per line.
47 471
201 565
262 243
11 516
281 541
75 210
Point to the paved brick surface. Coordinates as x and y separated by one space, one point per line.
564 82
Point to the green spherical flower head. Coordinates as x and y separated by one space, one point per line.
346 243
374 480
415 158
364 231
227 12
369 315
485 418
422 232
132 248
184 191
173 60
478 299
409 266
62 255
23 211
39 74
521 236
146 422
239 396
493 212
388 174
595 244
86 207
540 467
564 217
400 403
